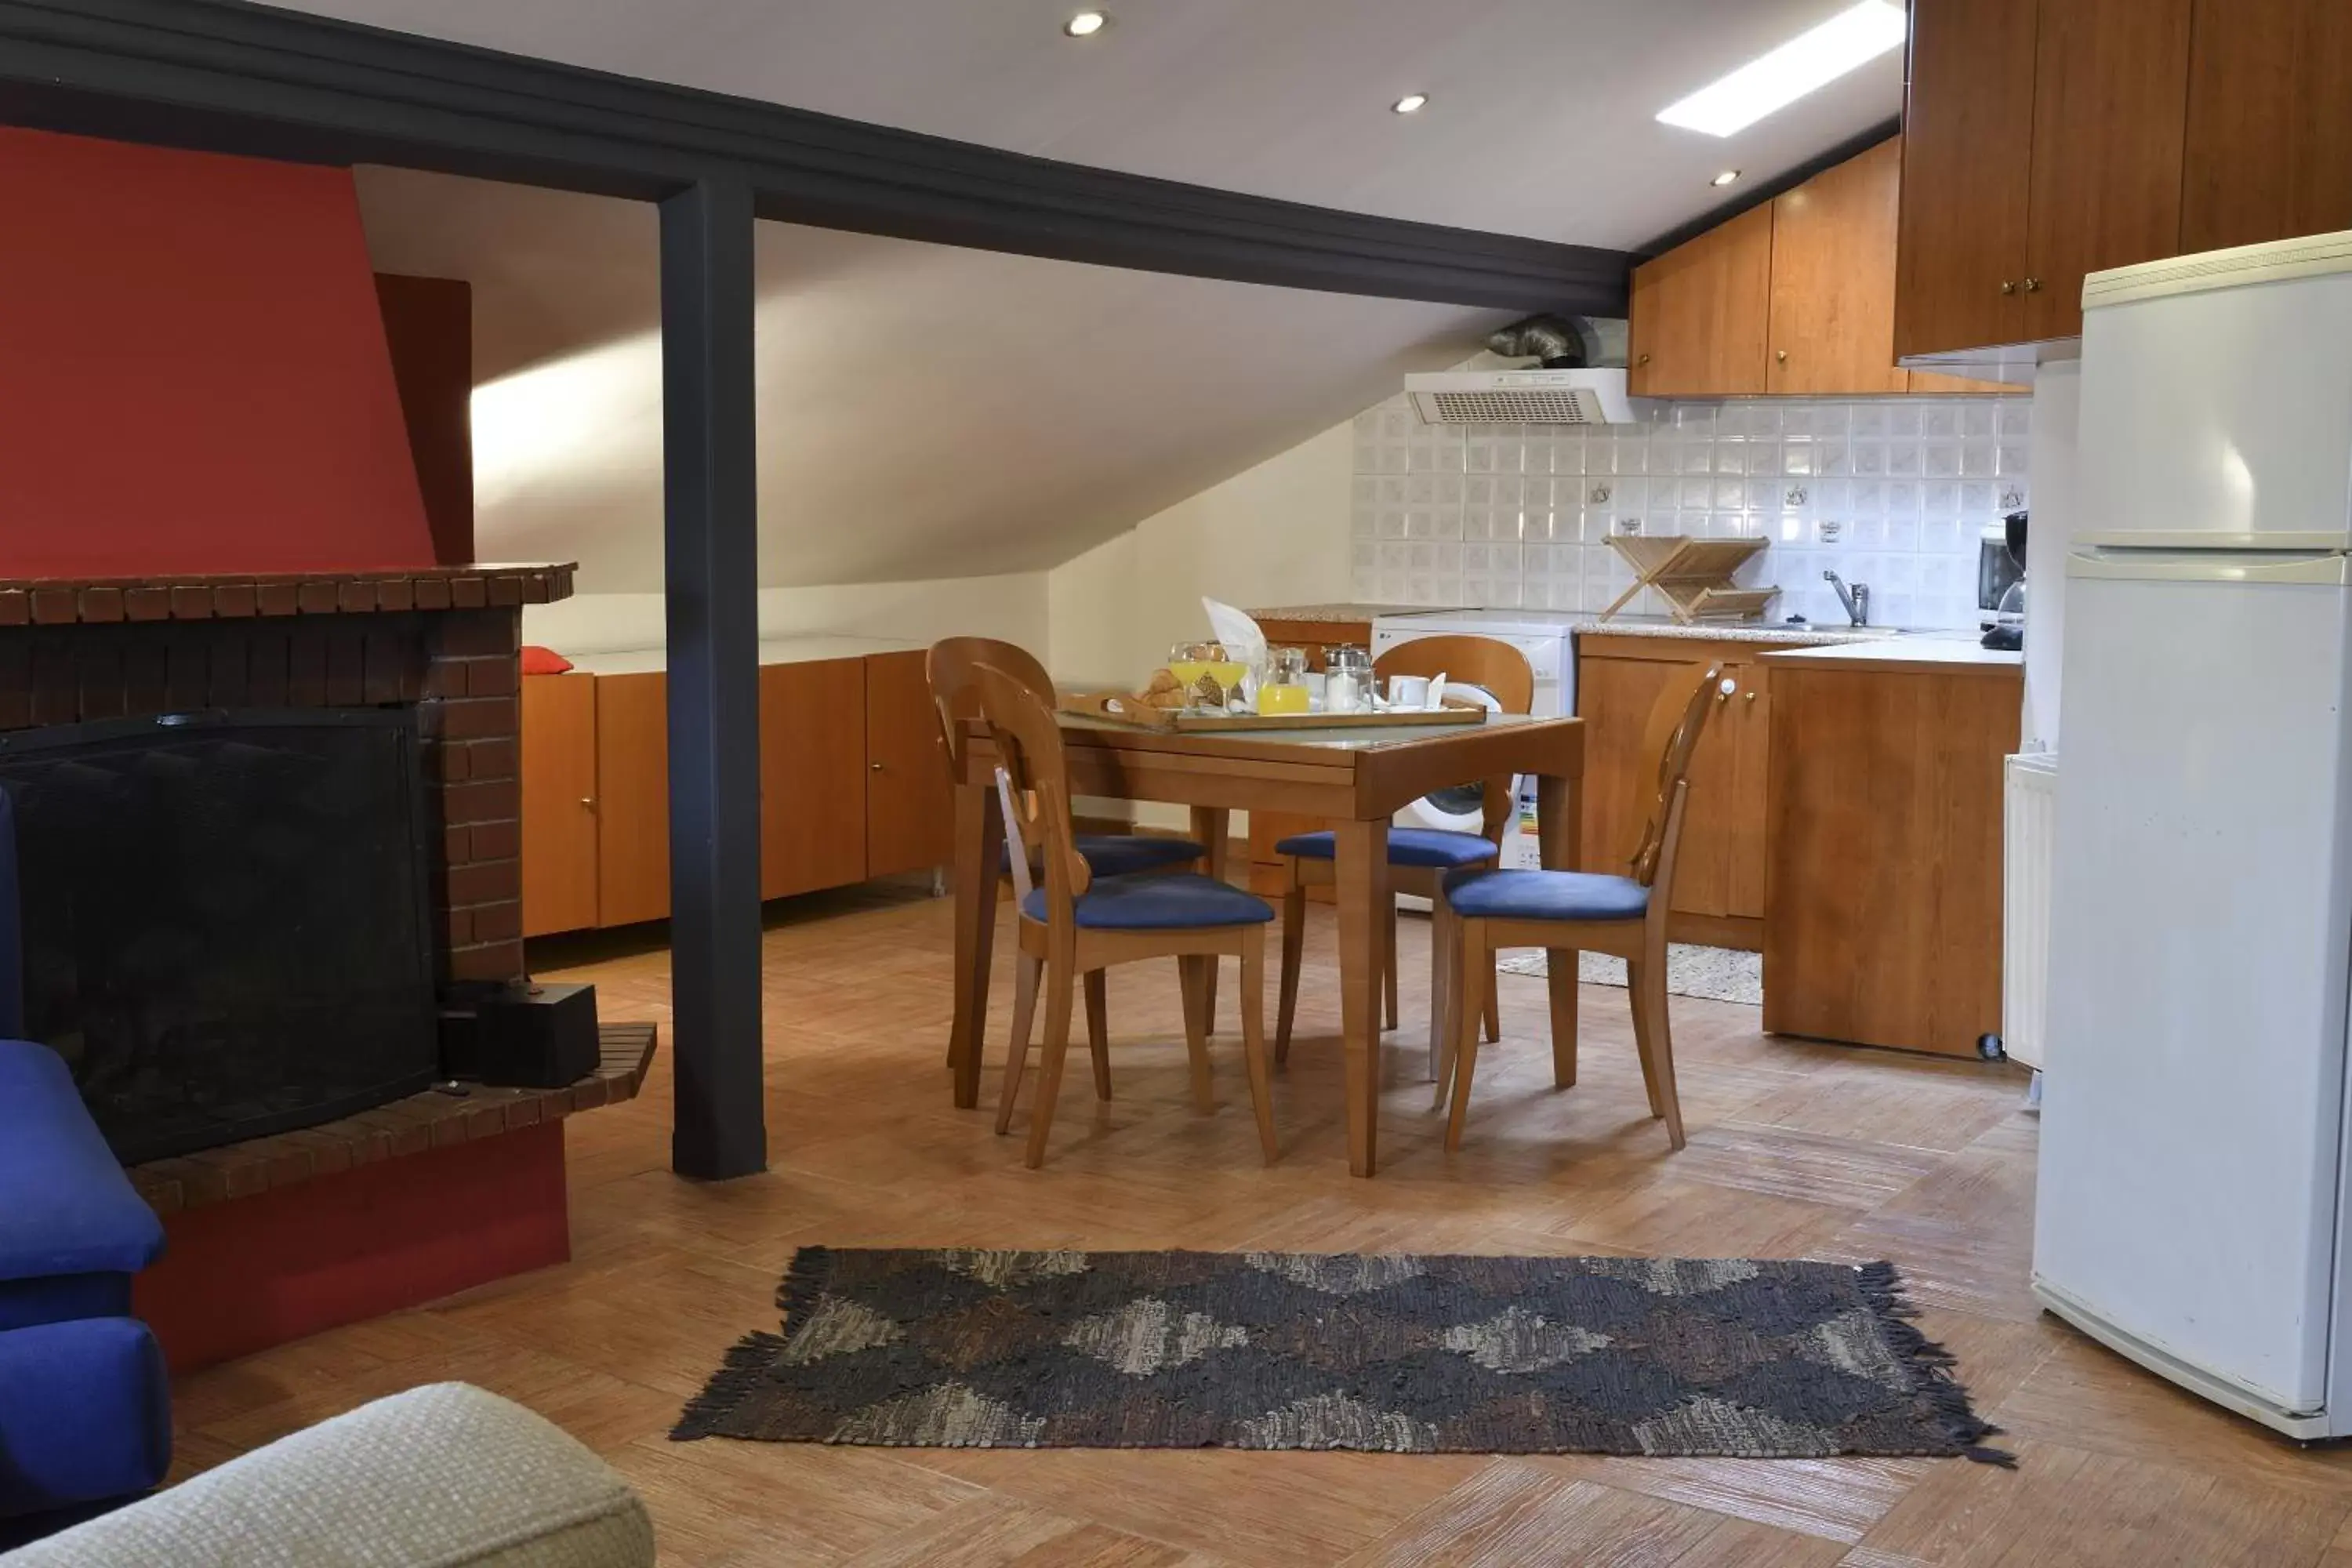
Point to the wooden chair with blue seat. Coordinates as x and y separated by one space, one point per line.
1078 923
1418 856
956 695
1570 911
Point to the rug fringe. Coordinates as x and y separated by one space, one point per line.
750 1358
1931 1365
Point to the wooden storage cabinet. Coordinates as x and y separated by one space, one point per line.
2044 139
910 793
559 803
853 784
1793 298
1700 312
632 798
813 769
2269 144
1720 887
1884 917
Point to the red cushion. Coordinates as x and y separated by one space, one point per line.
543 661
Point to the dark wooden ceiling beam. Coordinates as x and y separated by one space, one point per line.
237 77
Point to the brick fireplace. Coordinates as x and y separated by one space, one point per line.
446 641
454 1187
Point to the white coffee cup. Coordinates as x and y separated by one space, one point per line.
1408 692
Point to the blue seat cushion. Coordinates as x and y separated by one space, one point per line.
85 1413
1117 854
66 1207
1432 847
1546 896
1185 901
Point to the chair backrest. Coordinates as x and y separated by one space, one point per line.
1033 782
1499 667
955 690
1672 737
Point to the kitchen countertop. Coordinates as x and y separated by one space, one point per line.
1768 633
781 650
1335 612
1917 653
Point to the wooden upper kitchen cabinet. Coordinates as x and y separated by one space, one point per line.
2045 140
1719 880
1700 313
2269 144
813 775
1820 324
559 803
2110 111
1883 925
1968 140
909 793
632 798
1832 297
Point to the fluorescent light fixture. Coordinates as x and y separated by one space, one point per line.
1085 25
1847 41
1411 103
1725 178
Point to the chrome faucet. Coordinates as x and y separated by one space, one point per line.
1855 599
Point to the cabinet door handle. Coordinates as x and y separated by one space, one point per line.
2034 285
875 766
2006 287
587 803
1644 360
1751 697
1782 357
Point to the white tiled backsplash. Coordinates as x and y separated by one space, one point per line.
1891 491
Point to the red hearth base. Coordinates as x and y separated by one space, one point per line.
239 1277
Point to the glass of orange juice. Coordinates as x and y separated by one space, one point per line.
1284 689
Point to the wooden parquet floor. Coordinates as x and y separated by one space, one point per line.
1795 1149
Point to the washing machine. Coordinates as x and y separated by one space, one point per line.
1547 639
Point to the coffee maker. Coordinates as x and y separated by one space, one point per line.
2001 582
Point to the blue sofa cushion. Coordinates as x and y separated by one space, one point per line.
1118 853
1432 847
85 1413
1546 896
12 938
66 1207
1185 901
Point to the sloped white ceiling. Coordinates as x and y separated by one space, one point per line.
930 412
1541 119
924 410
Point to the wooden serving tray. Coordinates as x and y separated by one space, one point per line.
1121 709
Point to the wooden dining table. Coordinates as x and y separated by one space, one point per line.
1356 779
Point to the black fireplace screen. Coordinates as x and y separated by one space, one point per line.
224 924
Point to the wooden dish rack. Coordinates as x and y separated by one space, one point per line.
1694 576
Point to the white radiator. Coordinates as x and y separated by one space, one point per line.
2029 825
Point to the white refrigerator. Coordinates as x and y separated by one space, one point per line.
2194 1175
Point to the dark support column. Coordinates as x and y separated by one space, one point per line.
710 475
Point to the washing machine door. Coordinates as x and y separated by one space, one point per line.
1463 807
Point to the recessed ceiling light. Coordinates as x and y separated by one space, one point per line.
1411 103
1725 178
1847 41
1085 25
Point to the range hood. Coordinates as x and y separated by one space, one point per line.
1521 397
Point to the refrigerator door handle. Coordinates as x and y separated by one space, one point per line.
2329 569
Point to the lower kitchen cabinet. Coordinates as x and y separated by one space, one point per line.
853 784
909 793
1718 894
559 803
812 775
1884 924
